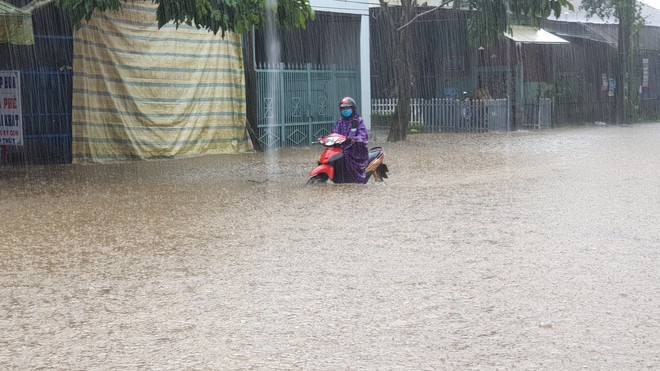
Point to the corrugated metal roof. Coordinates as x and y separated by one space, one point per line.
649 9
7 9
532 35
649 37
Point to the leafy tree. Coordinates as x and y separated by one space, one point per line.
628 13
213 15
487 25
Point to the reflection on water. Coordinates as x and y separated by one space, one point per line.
525 250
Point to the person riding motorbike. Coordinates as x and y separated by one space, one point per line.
356 153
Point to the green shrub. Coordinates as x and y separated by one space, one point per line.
415 128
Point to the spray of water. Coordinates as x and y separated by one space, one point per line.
273 56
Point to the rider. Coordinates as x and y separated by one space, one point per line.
356 153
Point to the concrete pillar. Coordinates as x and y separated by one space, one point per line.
365 71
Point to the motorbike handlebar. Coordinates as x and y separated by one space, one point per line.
338 140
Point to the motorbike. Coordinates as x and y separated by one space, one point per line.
330 162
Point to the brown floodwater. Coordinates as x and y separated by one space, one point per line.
527 250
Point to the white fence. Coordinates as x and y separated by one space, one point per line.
384 106
450 115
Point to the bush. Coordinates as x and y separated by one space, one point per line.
415 128
381 120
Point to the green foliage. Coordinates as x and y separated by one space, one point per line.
381 115
381 120
491 19
628 14
77 10
213 15
483 27
537 10
494 17
567 91
619 9
415 128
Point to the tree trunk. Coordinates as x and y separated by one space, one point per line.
623 75
251 102
402 70
251 91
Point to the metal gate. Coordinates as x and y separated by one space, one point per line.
46 103
537 115
297 104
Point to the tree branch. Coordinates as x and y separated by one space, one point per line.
446 2
36 4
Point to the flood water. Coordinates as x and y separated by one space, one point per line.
527 250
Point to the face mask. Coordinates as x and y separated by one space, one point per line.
347 113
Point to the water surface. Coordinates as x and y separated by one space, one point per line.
532 250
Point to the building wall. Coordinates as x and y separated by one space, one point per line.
441 53
650 95
46 88
361 8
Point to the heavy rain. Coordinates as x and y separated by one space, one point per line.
153 229
529 250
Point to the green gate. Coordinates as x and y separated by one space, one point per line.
297 104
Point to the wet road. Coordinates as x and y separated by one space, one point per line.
497 251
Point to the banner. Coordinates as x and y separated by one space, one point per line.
645 72
11 117
612 87
143 93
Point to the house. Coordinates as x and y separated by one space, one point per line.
117 115
569 62
518 69
586 85
42 66
296 77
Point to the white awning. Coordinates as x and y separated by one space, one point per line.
532 35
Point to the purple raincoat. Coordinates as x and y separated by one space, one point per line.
356 155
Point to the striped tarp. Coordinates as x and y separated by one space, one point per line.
144 93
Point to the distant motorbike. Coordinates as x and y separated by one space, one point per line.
331 160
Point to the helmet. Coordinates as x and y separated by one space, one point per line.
347 102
